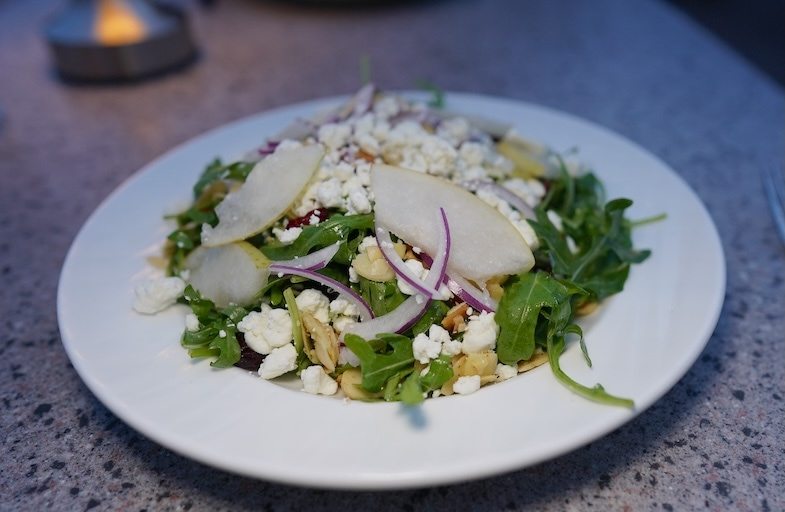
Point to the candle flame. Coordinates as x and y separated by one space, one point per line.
117 24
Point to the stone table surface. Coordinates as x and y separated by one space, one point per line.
715 441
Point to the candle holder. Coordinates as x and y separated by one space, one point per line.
117 40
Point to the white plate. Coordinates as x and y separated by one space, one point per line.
641 342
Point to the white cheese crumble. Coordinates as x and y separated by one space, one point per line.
466 385
505 371
281 360
555 219
481 333
314 302
368 241
317 382
437 341
425 349
155 295
191 322
267 329
287 236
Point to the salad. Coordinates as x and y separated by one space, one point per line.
390 250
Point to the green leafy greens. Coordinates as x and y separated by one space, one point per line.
537 309
216 336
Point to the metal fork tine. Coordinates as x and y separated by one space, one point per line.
774 185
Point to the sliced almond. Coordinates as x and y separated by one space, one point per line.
538 359
325 344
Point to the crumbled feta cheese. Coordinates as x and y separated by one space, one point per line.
287 236
571 245
155 295
340 323
555 219
288 145
481 333
528 233
531 191
343 313
191 322
346 356
513 215
438 334
439 154
358 202
334 135
281 360
466 385
452 348
314 302
368 144
425 348
353 277
330 194
317 382
386 107
472 153
419 272
505 371
343 171
341 306
267 329
368 241
222 334
454 130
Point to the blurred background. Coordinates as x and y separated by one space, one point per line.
753 28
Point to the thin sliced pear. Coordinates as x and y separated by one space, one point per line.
229 274
484 243
271 188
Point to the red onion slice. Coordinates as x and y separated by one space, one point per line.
404 272
315 261
470 294
467 292
406 315
399 266
365 310
502 193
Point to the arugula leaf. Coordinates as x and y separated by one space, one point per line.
411 390
217 171
439 372
377 368
294 313
519 312
347 229
597 393
605 252
392 386
437 93
539 306
382 297
435 313
217 335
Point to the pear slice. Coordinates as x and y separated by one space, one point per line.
228 274
271 188
484 243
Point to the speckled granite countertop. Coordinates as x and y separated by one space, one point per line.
716 441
